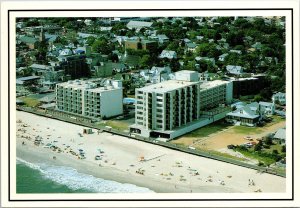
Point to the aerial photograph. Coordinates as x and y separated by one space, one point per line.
179 104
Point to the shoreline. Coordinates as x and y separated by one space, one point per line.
166 171
29 155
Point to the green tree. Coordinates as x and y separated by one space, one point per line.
257 98
235 38
90 40
145 60
258 146
102 46
283 148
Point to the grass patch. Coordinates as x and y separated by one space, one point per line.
118 125
277 147
186 141
255 155
247 130
30 102
225 155
275 119
207 130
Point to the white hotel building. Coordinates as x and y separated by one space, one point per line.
175 107
86 99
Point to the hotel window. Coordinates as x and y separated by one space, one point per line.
159 100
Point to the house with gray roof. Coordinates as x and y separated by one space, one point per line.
168 54
279 97
31 42
280 135
245 114
211 60
191 46
267 108
222 57
236 51
236 70
138 25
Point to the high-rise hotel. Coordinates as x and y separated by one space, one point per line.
175 107
86 99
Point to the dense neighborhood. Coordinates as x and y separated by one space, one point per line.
164 78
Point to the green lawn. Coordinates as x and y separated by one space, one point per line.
277 147
207 130
117 125
254 155
30 102
247 130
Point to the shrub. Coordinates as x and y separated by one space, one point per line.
260 163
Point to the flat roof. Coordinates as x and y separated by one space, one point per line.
86 85
167 86
28 78
211 84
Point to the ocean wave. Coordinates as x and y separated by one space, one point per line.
76 181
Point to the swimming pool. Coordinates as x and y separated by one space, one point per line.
128 101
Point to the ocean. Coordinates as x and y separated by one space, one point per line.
45 178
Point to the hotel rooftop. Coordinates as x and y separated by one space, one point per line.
167 86
211 84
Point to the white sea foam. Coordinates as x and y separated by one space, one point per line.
75 180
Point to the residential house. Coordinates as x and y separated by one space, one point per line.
211 60
138 25
280 135
247 115
31 42
86 35
168 54
236 51
236 70
257 46
198 37
162 39
156 74
191 46
222 57
279 97
267 108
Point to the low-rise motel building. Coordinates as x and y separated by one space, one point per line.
85 98
172 108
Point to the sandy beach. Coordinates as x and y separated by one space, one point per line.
162 170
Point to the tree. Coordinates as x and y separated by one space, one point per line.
283 148
42 52
258 146
145 60
268 140
102 46
208 49
235 38
174 65
90 40
114 57
257 98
